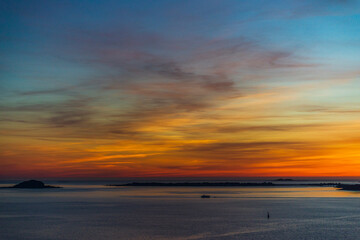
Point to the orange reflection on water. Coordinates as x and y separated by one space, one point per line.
235 192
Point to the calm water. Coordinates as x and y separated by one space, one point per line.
86 212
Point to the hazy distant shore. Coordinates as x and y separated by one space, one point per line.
216 184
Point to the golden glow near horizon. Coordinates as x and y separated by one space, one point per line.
163 96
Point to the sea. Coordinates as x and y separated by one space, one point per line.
91 210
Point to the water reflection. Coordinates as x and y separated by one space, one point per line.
99 191
91 212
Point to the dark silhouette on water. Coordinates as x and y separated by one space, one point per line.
205 196
217 184
195 184
349 187
284 179
33 184
268 215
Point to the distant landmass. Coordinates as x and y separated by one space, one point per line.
349 187
284 179
33 184
216 184
194 184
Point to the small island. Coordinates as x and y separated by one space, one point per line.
33 184
349 187
284 179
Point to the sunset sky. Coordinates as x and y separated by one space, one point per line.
179 88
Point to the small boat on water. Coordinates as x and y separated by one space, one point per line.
205 196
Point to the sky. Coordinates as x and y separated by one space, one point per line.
195 88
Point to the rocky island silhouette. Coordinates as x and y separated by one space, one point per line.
33 184
349 187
